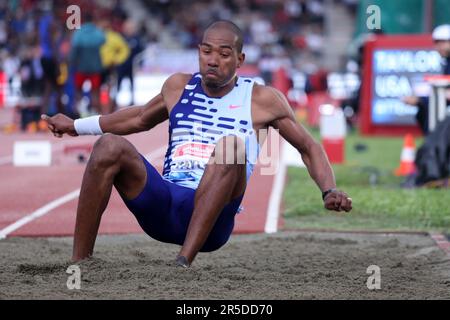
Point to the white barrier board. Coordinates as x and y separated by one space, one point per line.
32 153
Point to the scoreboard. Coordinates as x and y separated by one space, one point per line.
395 67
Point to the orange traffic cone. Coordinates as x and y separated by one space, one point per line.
407 157
32 127
10 128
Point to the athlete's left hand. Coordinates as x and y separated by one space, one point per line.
338 201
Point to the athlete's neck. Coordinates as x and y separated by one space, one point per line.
217 92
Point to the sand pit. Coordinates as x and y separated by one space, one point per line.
286 265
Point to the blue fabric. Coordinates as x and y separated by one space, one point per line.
422 112
163 209
446 68
46 36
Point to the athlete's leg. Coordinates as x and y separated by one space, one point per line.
114 161
224 179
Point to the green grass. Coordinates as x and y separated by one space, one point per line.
378 201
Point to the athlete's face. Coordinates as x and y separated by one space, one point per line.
219 57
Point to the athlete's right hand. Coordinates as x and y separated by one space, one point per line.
60 124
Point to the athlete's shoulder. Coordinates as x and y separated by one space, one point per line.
266 95
269 100
177 81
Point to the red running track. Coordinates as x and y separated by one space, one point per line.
23 190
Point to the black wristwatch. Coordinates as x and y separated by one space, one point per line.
326 192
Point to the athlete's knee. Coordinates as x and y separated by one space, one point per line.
107 150
229 151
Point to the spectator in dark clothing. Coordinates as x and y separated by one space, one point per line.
441 38
32 86
125 70
48 35
31 74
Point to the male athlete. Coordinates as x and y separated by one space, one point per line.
194 202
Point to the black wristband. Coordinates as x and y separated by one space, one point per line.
326 192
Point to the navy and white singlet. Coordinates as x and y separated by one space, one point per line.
196 123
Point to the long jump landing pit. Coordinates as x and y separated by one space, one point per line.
285 265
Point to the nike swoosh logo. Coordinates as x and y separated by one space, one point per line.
233 107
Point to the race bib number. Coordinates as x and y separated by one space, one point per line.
200 151
191 156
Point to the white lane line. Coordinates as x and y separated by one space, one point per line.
39 213
289 157
60 201
273 210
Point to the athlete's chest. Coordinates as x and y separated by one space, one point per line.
232 111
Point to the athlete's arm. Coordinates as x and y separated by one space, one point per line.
129 120
135 119
311 151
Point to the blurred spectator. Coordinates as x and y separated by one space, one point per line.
441 38
351 105
113 53
48 35
32 73
86 61
11 64
18 22
32 87
125 70
3 34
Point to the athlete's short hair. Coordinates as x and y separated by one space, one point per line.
231 26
